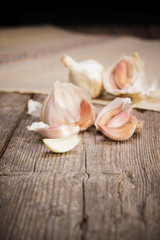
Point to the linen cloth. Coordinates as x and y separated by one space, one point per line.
30 56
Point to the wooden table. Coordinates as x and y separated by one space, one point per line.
100 190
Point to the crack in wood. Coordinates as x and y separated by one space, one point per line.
120 196
85 163
84 222
34 167
142 209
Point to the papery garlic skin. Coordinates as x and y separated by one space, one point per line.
125 76
46 131
116 120
34 108
86 74
66 111
66 105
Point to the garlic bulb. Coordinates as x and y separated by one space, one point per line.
125 76
116 120
65 112
86 74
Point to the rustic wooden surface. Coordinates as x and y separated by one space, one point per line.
99 190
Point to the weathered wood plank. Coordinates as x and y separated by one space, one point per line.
12 107
42 207
101 189
122 193
41 193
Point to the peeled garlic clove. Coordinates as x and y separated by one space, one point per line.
125 76
118 133
116 120
54 132
67 105
62 145
87 74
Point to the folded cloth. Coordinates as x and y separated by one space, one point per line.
30 56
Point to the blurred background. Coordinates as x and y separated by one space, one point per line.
86 18
80 15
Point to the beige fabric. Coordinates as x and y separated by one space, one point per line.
30 56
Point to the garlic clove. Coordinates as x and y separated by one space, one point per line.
68 105
121 75
87 115
106 118
54 132
116 120
87 74
120 119
62 106
62 145
112 109
112 81
121 133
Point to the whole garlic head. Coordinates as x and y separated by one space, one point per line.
86 74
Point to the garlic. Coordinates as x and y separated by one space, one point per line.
47 131
125 76
65 112
66 105
86 74
116 120
34 108
63 144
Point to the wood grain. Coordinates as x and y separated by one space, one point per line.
41 192
123 193
101 189
12 107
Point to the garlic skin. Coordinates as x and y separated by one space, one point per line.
34 108
87 74
116 120
45 130
125 76
66 111
66 105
